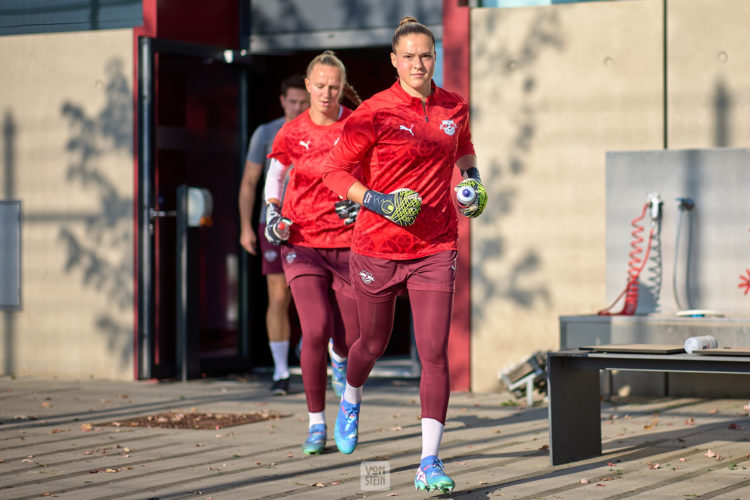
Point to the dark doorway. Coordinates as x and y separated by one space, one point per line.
369 71
195 124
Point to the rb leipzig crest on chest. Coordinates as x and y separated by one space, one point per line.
448 126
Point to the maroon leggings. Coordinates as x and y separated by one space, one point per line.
323 314
431 313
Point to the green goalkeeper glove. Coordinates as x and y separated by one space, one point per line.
401 206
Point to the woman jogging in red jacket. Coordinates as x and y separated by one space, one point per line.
407 139
316 241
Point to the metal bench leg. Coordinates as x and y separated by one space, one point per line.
574 413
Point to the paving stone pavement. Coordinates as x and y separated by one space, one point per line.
53 442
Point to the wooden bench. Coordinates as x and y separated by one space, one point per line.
573 387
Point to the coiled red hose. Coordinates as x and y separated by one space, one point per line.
635 266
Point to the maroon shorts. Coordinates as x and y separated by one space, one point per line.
326 262
377 279
270 254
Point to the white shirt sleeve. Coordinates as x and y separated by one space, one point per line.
275 180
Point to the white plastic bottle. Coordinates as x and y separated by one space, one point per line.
700 343
466 197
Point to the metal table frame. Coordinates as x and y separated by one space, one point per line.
573 387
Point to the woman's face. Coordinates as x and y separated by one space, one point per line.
325 85
414 61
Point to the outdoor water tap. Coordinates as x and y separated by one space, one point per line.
655 203
686 204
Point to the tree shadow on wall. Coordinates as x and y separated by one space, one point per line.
524 283
102 253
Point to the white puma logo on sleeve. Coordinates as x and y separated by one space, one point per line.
306 144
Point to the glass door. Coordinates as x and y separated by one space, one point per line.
192 128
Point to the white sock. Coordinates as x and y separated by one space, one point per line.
280 353
334 356
318 417
352 395
432 434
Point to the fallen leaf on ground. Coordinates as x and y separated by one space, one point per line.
713 411
690 421
683 460
86 427
544 447
654 466
711 454
735 426
585 481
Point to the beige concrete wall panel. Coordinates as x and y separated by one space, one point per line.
66 106
552 90
708 73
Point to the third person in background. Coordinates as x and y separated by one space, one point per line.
294 100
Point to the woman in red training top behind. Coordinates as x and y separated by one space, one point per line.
407 139
315 257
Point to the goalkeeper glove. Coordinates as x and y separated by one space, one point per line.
401 206
471 206
277 226
347 210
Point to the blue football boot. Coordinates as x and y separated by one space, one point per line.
338 373
431 476
347 427
316 440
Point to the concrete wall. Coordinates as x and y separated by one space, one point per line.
553 89
66 103
708 74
